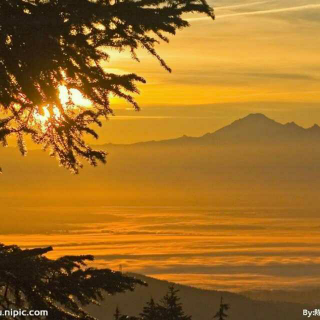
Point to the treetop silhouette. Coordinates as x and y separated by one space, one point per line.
221 314
31 281
170 306
49 46
151 311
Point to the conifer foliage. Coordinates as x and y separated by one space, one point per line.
221 314
31 281
50 46
170 307
150 311
117 314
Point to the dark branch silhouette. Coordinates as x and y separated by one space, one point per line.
49 46
31 281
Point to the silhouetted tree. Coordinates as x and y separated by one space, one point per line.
29 280
49 46
117 314
151 311
170 307
221 315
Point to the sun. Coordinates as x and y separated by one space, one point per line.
75 95
65 95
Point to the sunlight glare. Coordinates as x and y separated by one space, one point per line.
74 95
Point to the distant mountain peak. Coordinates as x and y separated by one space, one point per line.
254 128
258 128
256 116
293 125
254 119
314 129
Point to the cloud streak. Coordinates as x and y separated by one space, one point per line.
260 12
243 246
242 5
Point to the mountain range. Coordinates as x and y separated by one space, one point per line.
244 163
254 128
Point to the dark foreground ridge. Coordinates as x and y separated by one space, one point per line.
201 304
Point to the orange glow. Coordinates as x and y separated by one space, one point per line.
75 95
65 95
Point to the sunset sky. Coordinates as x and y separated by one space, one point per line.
258 56
147 208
